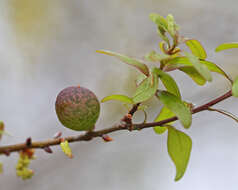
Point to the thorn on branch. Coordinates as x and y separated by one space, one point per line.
48 150
28 142
57 135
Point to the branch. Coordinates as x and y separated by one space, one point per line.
93 134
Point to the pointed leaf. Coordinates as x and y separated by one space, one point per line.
130 61
194 74
159 21
156 57
146 89
165 113
171 25
176 106
235 88
179 61
196 48
168 82
162 46
162 33
179 148
202 69
121 98
226 46
66 148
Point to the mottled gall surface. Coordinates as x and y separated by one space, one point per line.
77 108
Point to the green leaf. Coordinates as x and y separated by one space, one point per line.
213 67
184 61
202 69
162 34
235 88
180 61
163 47
226 46
146 89
165 113
171 25
156 57
162 25
66 149
179 148
159 21
168 82
196 48
176 106
194 74
130 61
121 98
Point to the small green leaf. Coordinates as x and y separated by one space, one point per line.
165 113
162 33
176 106
202 69
66 149
196 48
162 25
130 61
213 67
163 47
179 148
159 21
121 98
194 74
156 57
168 82
146 89
171 25
180 61
235 88
226 46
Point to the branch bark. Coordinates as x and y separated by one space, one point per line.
93 134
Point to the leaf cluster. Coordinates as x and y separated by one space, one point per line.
176 53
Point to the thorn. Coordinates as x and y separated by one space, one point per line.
28 142
106 138
57 135
48 149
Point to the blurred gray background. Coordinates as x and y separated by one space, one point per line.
49 45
